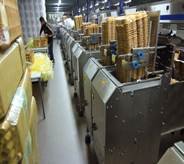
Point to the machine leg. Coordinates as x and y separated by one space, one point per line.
75 94
87 139
72 84
182 132
41 98
81 113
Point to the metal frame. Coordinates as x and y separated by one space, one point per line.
80 58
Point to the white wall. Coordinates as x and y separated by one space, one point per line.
30 12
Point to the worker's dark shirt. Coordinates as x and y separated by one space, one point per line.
47 30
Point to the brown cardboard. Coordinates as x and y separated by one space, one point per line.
29 56
10 76
9 23
14 128
33 121
20 42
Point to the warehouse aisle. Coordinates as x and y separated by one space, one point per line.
61 137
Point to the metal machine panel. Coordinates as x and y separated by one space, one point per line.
81 60
77 54
174 155
102 89
89 71
104 86
173 110
132 134
74 48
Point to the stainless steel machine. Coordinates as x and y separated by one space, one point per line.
90 70
174 154
126 120
80 58
70 45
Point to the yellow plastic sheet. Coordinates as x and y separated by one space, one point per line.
44 65
30 43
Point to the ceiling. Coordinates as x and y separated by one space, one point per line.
71 5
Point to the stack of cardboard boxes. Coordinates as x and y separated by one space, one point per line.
18 110
40 42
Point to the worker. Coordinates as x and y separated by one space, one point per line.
49 34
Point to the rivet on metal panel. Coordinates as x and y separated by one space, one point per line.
142 132
114 148
124 94
162 108
140 113
163 123
123 121
107 107
162 112
111 106
140 151
111 151
151 110
117 99
122 154
138 131
132 93
116 116
135 140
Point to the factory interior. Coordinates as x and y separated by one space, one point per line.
92 82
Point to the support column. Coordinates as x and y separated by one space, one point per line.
87 9
121 7
78 7
109 4
94 5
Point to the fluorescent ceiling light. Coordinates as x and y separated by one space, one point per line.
83 9
59 1
102 8
104 1
91 6
128 1
116 4
96 4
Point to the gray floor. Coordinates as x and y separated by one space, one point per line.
61 136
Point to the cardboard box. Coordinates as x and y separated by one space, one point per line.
37 42
44 41
34 156
16 123
15 137
9 23
11 72
29 56
20 42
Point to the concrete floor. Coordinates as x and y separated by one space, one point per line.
61 136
